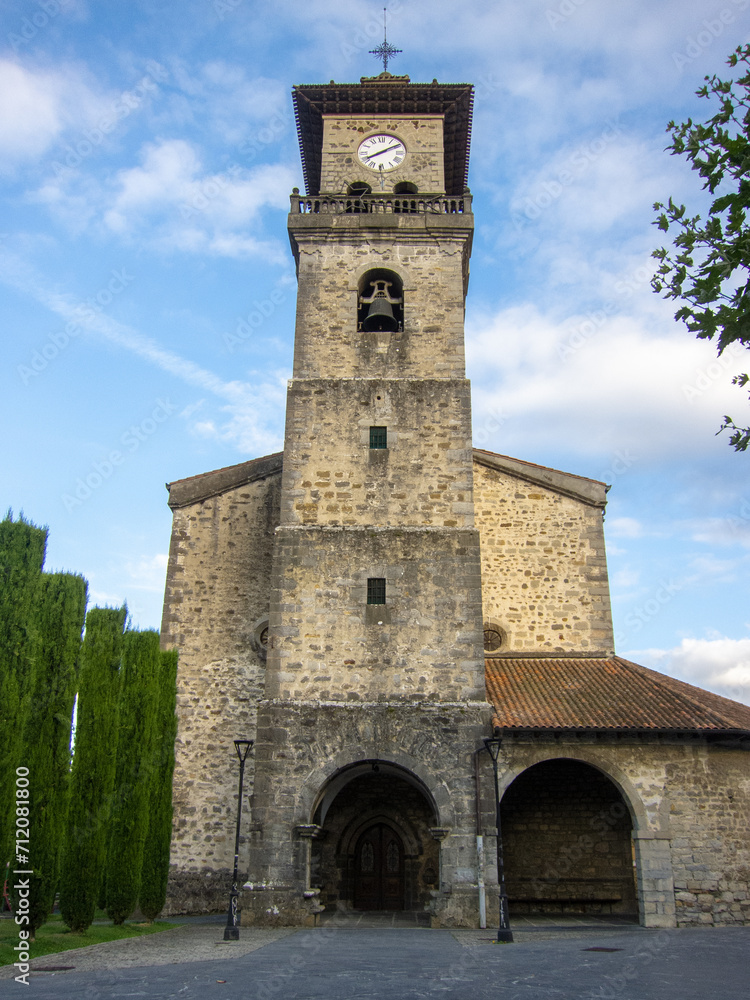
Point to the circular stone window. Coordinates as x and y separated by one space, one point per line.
494 638
259 641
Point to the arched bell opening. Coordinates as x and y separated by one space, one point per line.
375 849
380 302
405 205
567 842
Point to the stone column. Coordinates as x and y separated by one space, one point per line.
656 901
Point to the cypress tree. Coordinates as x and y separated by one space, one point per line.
135 759
93 776
22 550
61 607
155 868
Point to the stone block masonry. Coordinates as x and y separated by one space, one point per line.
328 643
544 566
422 477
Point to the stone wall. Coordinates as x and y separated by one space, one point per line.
431 259
423 477
544 567
328 643
218 586
709 791
423 164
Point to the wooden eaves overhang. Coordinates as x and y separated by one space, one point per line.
380 97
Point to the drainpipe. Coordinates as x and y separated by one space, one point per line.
480 850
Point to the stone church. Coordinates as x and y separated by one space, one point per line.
370 604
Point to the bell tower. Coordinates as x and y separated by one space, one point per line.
375 660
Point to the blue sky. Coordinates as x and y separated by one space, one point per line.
147 154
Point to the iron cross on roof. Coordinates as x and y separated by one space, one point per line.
384 51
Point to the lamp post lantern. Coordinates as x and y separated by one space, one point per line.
492 745
232 930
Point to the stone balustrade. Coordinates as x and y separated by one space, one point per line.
380 204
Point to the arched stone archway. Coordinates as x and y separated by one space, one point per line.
567 839
360 815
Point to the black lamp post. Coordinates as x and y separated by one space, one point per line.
232 930
492 745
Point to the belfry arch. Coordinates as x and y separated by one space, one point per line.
376 845
568 842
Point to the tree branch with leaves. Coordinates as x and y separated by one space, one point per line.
708 265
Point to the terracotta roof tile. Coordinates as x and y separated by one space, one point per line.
602 693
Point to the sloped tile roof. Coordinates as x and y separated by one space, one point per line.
606 694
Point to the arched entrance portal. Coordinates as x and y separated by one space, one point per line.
567 842
375 849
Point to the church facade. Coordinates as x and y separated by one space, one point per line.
373 602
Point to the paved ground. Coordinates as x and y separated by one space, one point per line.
548 961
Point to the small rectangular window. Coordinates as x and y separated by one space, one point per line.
375 590
378 437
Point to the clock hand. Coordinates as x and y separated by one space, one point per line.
381 151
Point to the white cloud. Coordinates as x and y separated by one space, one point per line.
30 112
42 108
233 104
719 664
167 175
732 529
621 385
195 210
147 573
625 578
172 202
624 527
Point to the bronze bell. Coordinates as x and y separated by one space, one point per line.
380 316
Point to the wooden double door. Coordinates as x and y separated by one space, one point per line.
379 870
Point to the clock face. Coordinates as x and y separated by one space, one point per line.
381 152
